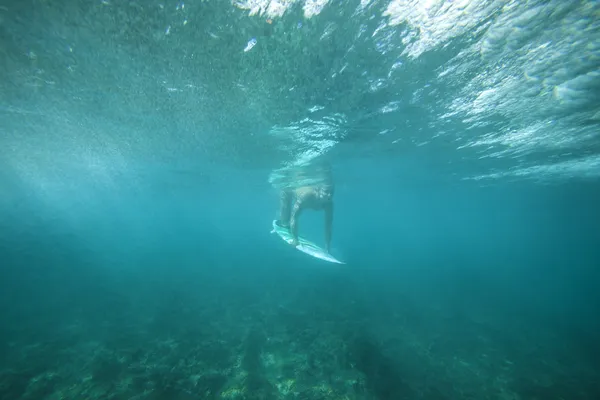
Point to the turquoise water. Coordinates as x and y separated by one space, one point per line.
143 145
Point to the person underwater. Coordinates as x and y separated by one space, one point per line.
317 196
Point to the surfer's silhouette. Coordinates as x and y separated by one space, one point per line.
316 196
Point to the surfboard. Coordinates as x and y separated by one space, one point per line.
305 246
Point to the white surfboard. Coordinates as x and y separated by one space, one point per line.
305 246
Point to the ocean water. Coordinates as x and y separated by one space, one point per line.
143 148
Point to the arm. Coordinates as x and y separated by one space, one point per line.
328 223
285 198
296 211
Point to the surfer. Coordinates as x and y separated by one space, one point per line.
316 197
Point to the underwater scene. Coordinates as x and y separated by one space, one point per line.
299 199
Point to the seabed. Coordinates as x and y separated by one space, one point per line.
266 352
